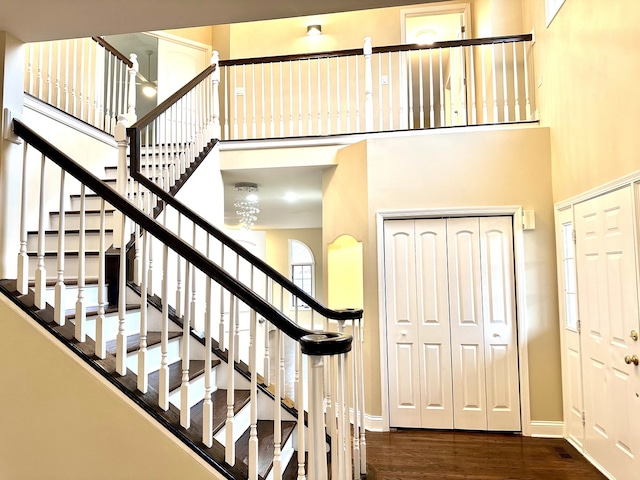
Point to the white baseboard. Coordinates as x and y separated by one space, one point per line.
373 423
546 429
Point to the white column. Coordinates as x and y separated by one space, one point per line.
131 101
12 58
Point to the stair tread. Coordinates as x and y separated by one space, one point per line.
87 212
265 444
196 368
219 400
88 253
133 341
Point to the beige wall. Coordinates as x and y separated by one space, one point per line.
586 63
455 169
62 422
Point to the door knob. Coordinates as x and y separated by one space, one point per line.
634 335
629 359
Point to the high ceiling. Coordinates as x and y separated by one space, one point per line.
36 20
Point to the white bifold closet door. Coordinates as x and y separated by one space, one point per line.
451 332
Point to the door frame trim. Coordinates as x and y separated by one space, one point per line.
520 290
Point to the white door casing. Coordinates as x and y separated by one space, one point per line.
608 309
573 407
440 321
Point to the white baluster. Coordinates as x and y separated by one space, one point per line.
192 321
82 74
410 75
432 116
328 97
390 91
179 305
235 320
253 101
317 448
60 288
277 408
494 61
282 133
207 406
378 83
474 106
235 102
368 85
485 111
355 392
49 62
185 411
244 102
442 115
516 89
263 107
81 304
291 132
90 77
29 80
505 92
267 359
226 103
348 90
131 100
221 328
121 337
526 84
309 97
253 405
39 75
143 370
319 96
215 82
230 446
163 381
41 272
108 93
300 133
22 283
101 340
420 90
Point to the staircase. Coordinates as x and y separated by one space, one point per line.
238 420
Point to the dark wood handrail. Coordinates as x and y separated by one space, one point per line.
311 343
135 143
391 48
113 50
169 102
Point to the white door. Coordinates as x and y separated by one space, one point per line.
451 324
571 357
608 306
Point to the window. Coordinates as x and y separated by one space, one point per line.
302 269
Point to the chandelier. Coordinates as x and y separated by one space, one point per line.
246 204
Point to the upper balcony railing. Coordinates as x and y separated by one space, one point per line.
85 77
464 82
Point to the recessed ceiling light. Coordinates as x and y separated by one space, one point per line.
291 196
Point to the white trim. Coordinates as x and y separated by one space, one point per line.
373 423
521 297
551 8
180 40
544 429
463 8
590 459
59 116
608 187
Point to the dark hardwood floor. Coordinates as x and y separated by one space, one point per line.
427 454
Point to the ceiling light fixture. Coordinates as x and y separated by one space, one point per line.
291 196
314 30
246 204
148 88
426 37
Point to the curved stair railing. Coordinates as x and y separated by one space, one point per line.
127 357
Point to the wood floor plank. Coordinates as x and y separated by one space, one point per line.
425 454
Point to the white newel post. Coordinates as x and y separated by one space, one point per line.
121 180
317 448
131 100
215 83
368 85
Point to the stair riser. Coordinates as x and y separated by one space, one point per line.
110 325
196 391
90 203
154 356
70 267
241 421
71 240
72 221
